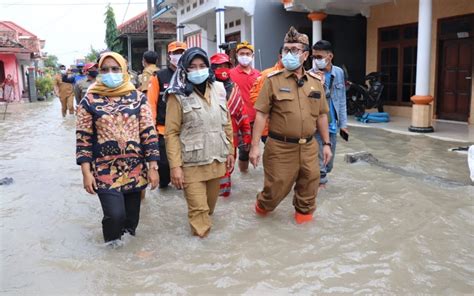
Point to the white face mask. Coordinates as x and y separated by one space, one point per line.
174 59
319 64
244 60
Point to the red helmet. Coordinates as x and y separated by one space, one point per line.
220 58
88 66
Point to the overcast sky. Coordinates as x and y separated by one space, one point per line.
69 27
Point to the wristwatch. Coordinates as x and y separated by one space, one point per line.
327 144
153 167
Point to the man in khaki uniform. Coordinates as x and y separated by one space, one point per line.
294 102
149 64
64 91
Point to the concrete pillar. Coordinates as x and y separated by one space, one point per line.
317 19
180 33
220 30
421 111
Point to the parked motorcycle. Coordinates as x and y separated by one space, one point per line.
362 97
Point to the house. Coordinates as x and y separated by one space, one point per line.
20 51
425 47
133 34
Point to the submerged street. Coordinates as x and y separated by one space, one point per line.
375 230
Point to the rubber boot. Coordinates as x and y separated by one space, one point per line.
303 218
259 210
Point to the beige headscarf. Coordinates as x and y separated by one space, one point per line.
125 88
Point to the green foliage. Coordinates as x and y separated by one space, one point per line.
92 55
111 32
44 85
51 61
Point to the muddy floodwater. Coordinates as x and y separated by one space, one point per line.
375 231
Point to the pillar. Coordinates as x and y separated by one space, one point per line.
317 19
220 30
129 51
421 111
180 33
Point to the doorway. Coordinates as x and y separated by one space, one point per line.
456 49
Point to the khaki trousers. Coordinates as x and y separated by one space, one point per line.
286 164
201 198
67 103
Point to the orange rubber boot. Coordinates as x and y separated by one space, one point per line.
302 218
260 211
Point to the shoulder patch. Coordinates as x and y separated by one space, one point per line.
314 75
274 73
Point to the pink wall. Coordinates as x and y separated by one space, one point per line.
11 67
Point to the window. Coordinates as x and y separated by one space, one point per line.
237 22
231 24
188 8
397 60
182 11
225 26
201 2
195 4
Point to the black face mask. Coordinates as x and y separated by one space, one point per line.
93 73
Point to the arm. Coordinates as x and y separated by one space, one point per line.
84 156
323 128
77 91
153 94
342 104
148 137
173 144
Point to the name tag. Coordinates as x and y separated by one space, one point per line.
315 95
285 89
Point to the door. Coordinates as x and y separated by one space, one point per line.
455 68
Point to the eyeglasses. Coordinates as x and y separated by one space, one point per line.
114 69
294 50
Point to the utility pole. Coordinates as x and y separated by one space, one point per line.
151 41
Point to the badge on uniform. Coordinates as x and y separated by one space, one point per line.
315 95
285 89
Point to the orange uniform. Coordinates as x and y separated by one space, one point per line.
257 86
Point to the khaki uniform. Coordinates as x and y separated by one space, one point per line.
147 73
293 112
189 145
66 95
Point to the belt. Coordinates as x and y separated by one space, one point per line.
290 140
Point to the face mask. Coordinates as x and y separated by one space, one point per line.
63 72
93 73
291 62
112 80
244 60
174 58
319 64
222 74
199 76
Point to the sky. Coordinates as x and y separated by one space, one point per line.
69 27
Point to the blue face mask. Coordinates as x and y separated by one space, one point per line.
199 76
291 62
112 80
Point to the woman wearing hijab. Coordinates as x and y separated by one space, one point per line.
117 146
198 134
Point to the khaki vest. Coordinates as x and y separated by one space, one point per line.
203 138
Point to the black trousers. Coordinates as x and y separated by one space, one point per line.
121 213
163 164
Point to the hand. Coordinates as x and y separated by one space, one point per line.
327 154
89 182
153 178
177 177
230 163
254 155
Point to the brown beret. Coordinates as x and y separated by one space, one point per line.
294 36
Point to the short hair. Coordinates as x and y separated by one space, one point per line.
323 45
150 57
62 66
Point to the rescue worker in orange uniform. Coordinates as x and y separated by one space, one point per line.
294 102
159 82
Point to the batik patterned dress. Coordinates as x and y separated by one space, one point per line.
117 136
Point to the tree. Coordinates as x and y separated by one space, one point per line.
92 55
51 61
111 32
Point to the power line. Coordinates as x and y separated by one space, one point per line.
126 9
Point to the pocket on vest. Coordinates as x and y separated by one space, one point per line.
193 148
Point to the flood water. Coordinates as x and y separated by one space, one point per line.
374 232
